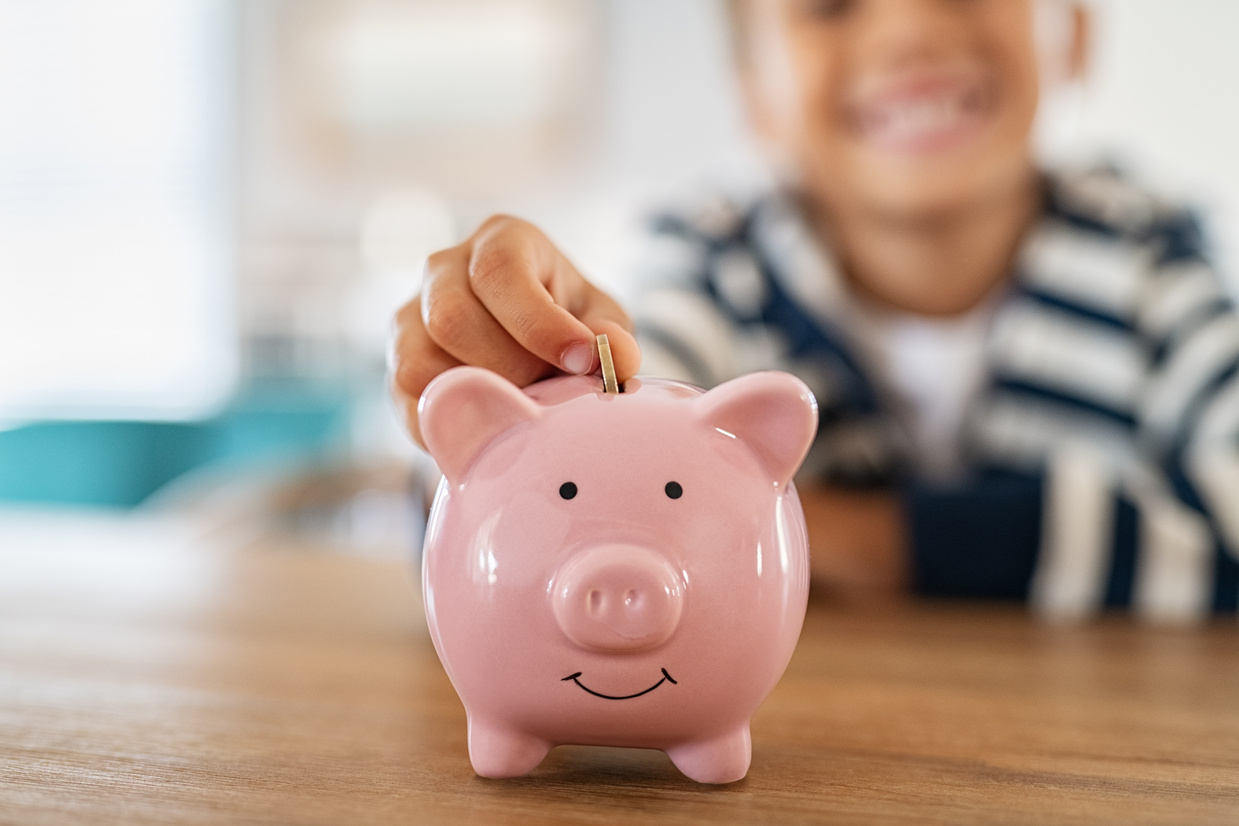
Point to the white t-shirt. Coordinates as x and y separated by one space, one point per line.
932 369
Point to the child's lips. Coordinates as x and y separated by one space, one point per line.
923 117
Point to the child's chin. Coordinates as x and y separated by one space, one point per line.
922 191
947 179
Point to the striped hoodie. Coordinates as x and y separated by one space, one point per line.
1102 450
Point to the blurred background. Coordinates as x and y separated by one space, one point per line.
210 210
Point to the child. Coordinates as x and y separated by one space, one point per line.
1028 384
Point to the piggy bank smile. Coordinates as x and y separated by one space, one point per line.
616 536
667 678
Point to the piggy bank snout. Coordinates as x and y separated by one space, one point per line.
617 598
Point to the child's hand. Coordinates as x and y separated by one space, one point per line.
507 300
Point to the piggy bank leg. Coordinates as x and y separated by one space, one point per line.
498 751
722 759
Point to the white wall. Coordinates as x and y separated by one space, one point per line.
1162 99
116 225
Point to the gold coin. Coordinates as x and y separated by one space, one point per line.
609 384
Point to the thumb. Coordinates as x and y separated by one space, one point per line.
603 315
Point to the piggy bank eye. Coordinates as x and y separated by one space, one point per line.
567 490
674 490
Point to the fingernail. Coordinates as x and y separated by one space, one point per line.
578 359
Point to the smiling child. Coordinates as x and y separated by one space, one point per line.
1028 382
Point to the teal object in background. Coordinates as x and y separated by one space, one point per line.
120 463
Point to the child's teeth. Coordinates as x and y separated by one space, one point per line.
916 118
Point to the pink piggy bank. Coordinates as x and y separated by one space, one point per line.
615 569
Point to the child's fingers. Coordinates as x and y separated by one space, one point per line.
530 289
413 358
413 361
458 323
507 300
406 409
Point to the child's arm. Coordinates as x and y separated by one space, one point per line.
859 539
506 299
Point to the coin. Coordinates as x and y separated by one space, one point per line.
609 384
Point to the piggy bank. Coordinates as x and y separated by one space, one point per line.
615 569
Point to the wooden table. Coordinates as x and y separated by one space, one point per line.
149 677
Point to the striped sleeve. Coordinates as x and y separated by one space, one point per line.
1190 409
1076 537
1121 538
1114 371
1147 528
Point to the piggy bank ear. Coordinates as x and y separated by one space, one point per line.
465 409
773 413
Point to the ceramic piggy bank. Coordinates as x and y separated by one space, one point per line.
611 569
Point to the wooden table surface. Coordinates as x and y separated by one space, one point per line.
148 677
